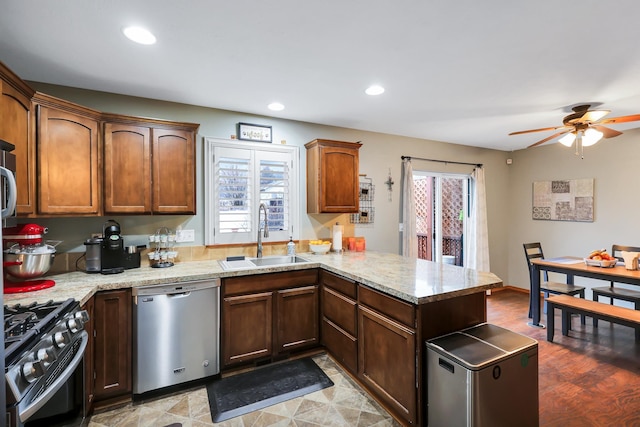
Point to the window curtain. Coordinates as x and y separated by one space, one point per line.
477 244
409 234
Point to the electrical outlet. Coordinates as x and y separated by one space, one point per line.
185 236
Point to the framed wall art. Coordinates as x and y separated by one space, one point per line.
252 132
563 200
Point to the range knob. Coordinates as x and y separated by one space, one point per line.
75 325
82 315
31 371
45 355
60 339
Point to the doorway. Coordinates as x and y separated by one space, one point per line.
442 202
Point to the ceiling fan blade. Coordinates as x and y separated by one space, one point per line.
621 119
594 115
549 138
606 132
539 130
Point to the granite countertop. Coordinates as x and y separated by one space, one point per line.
413 280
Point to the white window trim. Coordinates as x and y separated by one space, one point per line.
211 206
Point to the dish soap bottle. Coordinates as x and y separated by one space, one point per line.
291 247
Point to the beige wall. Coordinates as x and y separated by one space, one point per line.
615 166
379 153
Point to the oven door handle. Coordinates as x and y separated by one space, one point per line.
41 400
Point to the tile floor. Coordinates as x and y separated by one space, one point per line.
344 404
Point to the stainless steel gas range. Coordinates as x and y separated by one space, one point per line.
44 346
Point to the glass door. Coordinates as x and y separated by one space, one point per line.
441 214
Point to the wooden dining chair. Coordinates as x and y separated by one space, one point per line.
534 251
611 291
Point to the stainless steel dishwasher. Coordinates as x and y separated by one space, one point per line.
176 333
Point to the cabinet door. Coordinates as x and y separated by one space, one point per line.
16 127
332 176
173 172
297 319
387 361
68 163
339 180
127 169
112 314
247 327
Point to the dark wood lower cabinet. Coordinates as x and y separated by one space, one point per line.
112 344
247 327
297 321
267 316
340 319
387 361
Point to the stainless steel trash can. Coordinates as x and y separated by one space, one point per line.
483 376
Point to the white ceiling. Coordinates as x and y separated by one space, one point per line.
467 71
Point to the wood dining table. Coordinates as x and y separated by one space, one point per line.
574 266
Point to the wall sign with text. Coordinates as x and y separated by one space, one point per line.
251 132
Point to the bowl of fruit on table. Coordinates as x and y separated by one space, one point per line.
600 258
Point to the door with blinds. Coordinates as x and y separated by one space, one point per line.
241 176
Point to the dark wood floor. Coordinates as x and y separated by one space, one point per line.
590 378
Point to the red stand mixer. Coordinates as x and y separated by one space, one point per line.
26 256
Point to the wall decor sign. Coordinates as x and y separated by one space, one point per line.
251 132
563 200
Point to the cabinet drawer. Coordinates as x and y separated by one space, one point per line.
398 310
338 283
340 344
340 310
268 282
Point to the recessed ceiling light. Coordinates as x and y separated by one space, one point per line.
374 90
275 106
139 35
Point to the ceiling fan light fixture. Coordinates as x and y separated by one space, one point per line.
590 137
568 139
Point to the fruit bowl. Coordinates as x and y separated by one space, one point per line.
600 262
320 248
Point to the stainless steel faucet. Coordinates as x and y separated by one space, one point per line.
266 228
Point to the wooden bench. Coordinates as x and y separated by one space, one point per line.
616 293
597 310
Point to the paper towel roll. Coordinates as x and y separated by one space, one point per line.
337 237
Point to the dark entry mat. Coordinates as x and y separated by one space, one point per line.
243 393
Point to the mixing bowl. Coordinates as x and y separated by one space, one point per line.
31 265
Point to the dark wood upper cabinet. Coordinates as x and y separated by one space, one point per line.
127 169
149 166
68 158
174 172
332 176
16 127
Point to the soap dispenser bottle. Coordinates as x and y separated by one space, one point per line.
291 247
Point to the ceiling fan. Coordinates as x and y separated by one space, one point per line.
584 126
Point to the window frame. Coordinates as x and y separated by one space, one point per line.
213 147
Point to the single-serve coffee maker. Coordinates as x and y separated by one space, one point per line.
107 254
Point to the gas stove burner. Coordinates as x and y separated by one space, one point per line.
17 324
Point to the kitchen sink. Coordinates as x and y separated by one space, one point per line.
277 260
247 263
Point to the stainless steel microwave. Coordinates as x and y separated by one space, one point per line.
8 184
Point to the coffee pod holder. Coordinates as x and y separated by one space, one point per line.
162 245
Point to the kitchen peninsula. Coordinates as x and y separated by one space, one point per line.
376 311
